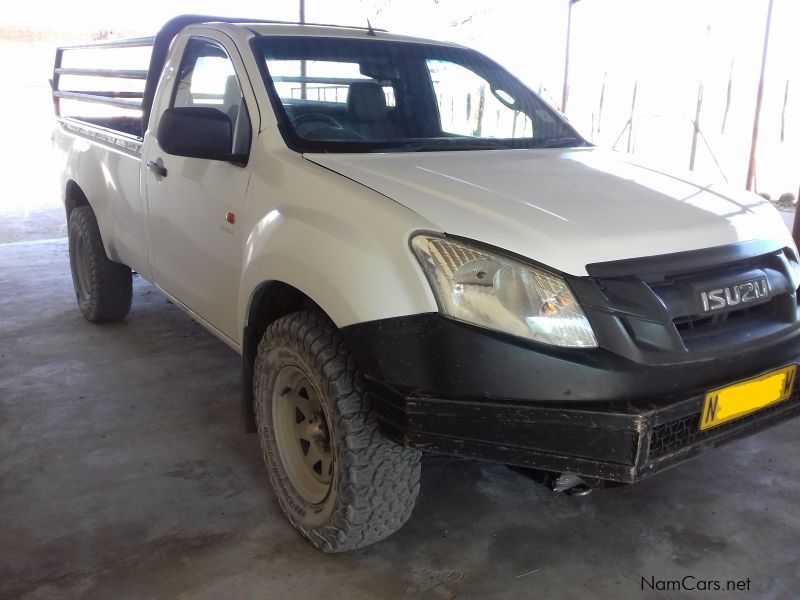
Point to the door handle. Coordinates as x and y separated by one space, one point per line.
156 168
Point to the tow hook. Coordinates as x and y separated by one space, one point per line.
567 483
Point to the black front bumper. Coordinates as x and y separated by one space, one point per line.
452 388
623 446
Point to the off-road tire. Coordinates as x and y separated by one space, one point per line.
375 481
104 288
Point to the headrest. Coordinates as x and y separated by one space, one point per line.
232 93
366 102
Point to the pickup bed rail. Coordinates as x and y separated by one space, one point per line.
120 99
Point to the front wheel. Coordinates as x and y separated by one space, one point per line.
338 480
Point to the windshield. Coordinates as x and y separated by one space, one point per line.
367 95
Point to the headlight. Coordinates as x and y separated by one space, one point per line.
473 285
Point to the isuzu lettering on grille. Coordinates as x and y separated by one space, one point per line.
740 293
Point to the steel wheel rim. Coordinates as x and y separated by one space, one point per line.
301 434
82 277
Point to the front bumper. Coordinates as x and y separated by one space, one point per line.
602 443
452 388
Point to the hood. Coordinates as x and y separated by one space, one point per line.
563 208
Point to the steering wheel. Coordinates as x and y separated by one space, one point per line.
327 128
315 118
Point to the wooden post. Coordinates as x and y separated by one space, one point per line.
751 167
602 98
565 92
727 99
303 90
481 105
696 130
630 120
783 111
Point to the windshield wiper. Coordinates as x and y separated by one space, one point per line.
560 142
467 143
451 144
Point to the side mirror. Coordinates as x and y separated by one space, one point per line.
196 132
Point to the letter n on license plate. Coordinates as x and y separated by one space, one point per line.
740 399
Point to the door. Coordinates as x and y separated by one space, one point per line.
193 202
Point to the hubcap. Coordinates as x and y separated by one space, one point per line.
82 278
301 434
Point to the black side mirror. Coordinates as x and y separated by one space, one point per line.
196 132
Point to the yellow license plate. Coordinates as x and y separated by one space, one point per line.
734 401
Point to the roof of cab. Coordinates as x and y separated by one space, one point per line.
318 30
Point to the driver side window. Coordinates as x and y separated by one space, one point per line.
207 79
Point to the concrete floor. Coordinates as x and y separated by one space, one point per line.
123 475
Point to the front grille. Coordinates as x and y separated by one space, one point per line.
700 324
650 310
682 432
730 326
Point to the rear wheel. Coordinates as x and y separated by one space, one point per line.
339 481
104 288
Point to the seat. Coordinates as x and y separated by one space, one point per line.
366 108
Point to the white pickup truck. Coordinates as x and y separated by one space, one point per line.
412 252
